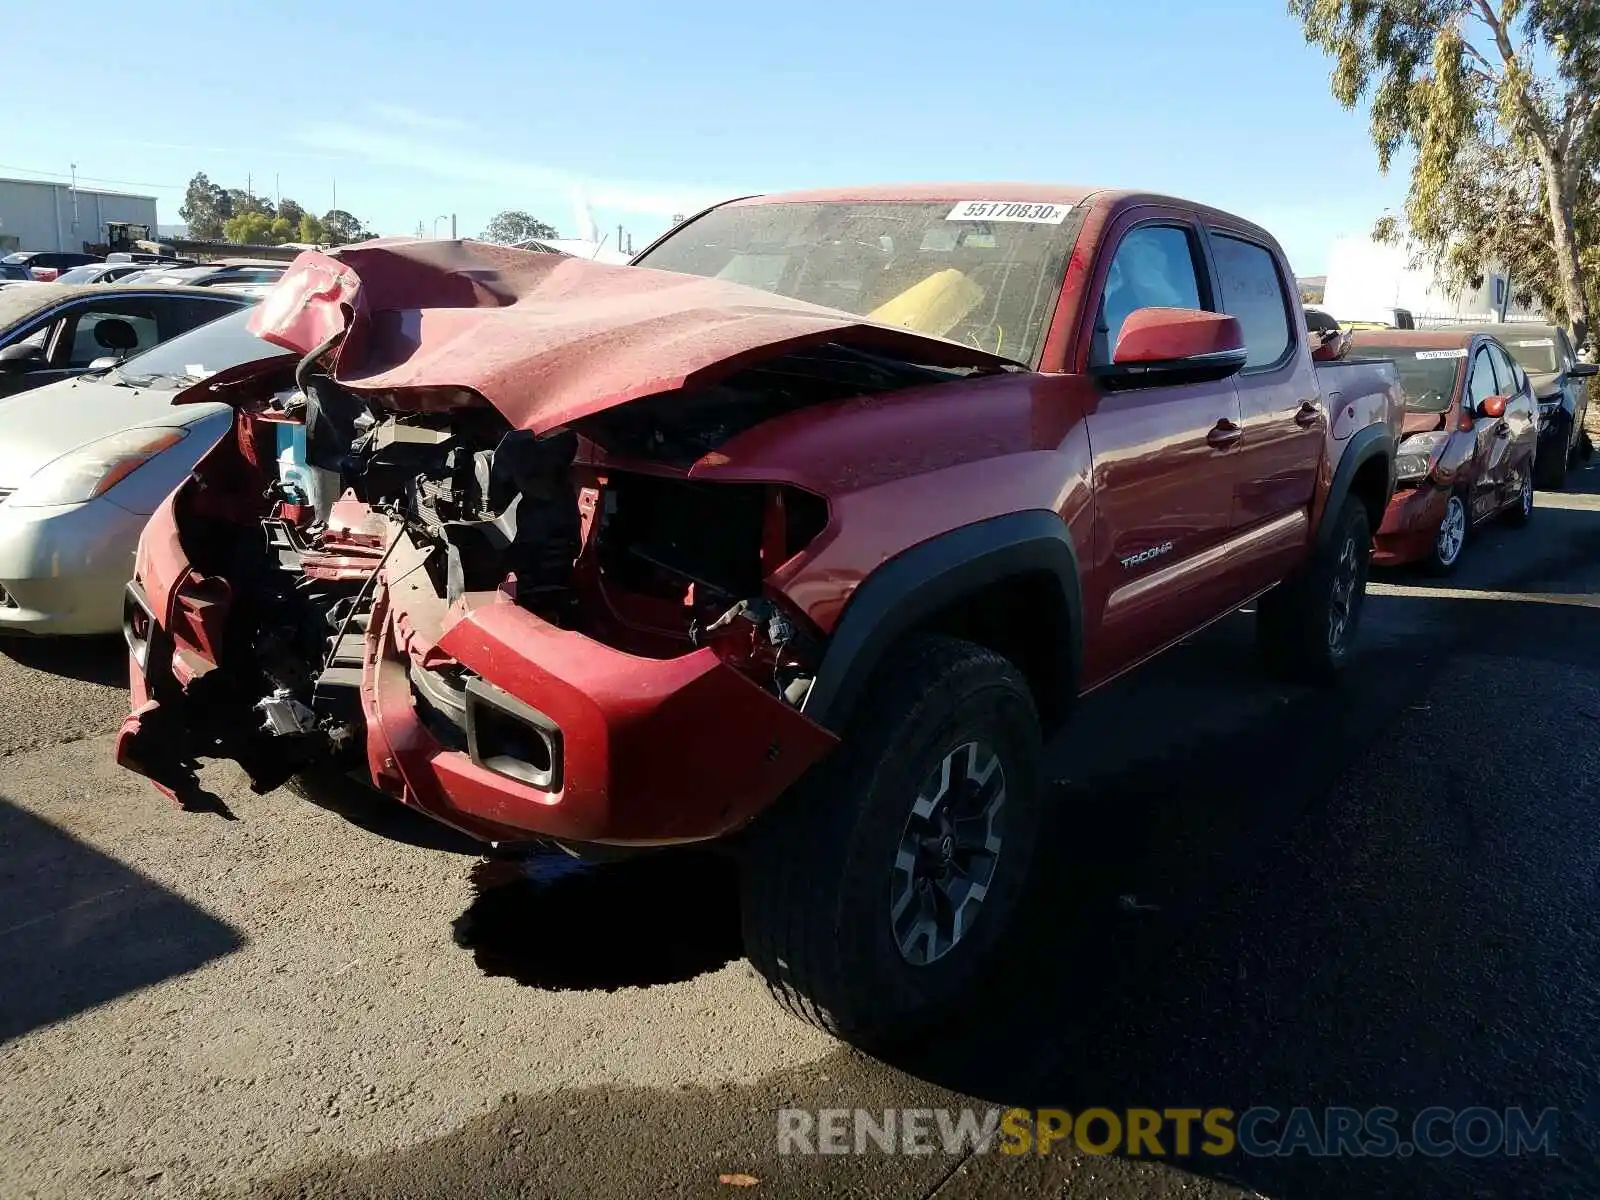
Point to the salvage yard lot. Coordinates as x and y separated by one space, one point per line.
1260 895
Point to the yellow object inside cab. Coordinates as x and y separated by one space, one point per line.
936 305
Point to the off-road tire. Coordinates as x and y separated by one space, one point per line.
816 869
1294 619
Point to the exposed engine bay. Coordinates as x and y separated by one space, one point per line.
594 528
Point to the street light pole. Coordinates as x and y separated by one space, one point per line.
436 220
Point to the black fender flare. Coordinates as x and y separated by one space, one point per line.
917 583
1372 442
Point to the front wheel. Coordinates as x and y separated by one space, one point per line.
877 894
1450 539
1306 625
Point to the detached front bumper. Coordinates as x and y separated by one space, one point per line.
568 738
1410 525
528 730
62 569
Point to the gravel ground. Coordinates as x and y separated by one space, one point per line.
1383 894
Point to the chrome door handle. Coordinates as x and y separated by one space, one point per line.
1224 434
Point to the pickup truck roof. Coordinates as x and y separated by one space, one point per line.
1073 194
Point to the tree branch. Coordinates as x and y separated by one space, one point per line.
1538 128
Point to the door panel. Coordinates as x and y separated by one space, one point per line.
1164 459
1283 419
1520 430
1486 480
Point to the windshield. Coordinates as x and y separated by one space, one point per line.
86 274
181 275
1536 352
20 257
938 268
1428 376
200 352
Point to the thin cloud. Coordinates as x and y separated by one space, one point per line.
411 118
662 200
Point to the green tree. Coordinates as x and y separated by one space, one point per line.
311 230
282 231
340 228
514 226
1491 94
249 228
243 202
291 211
205 207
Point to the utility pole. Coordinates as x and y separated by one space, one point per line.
249 184
452 227
277 193
74 201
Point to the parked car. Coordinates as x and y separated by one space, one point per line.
15 273
45 265
84 462
630 556
1471 440
1318 321
49 333
106 272
1561 384
225 272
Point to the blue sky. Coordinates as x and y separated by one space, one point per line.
421 109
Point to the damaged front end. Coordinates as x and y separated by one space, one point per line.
519 628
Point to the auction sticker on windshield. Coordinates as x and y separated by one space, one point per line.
1536 342
1461 353
1006 210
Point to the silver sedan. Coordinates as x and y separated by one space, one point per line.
83 464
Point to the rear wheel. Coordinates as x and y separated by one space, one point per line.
879 891
1306 626
1451 538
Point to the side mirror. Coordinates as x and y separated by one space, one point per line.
1493 407
104 363
1583 370
14 360
1174 345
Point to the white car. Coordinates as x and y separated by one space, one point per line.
84 462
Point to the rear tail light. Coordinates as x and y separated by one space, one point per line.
45 274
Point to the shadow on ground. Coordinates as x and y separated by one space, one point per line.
549 921
102 660
77 928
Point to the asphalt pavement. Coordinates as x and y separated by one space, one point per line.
1256 895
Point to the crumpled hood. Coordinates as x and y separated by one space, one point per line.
547 339
40 425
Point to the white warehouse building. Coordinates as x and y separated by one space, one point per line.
36 214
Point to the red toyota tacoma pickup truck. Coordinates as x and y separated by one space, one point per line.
801 534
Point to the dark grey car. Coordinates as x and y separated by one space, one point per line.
1561 383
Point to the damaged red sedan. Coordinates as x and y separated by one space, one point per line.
802 534
1470 437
